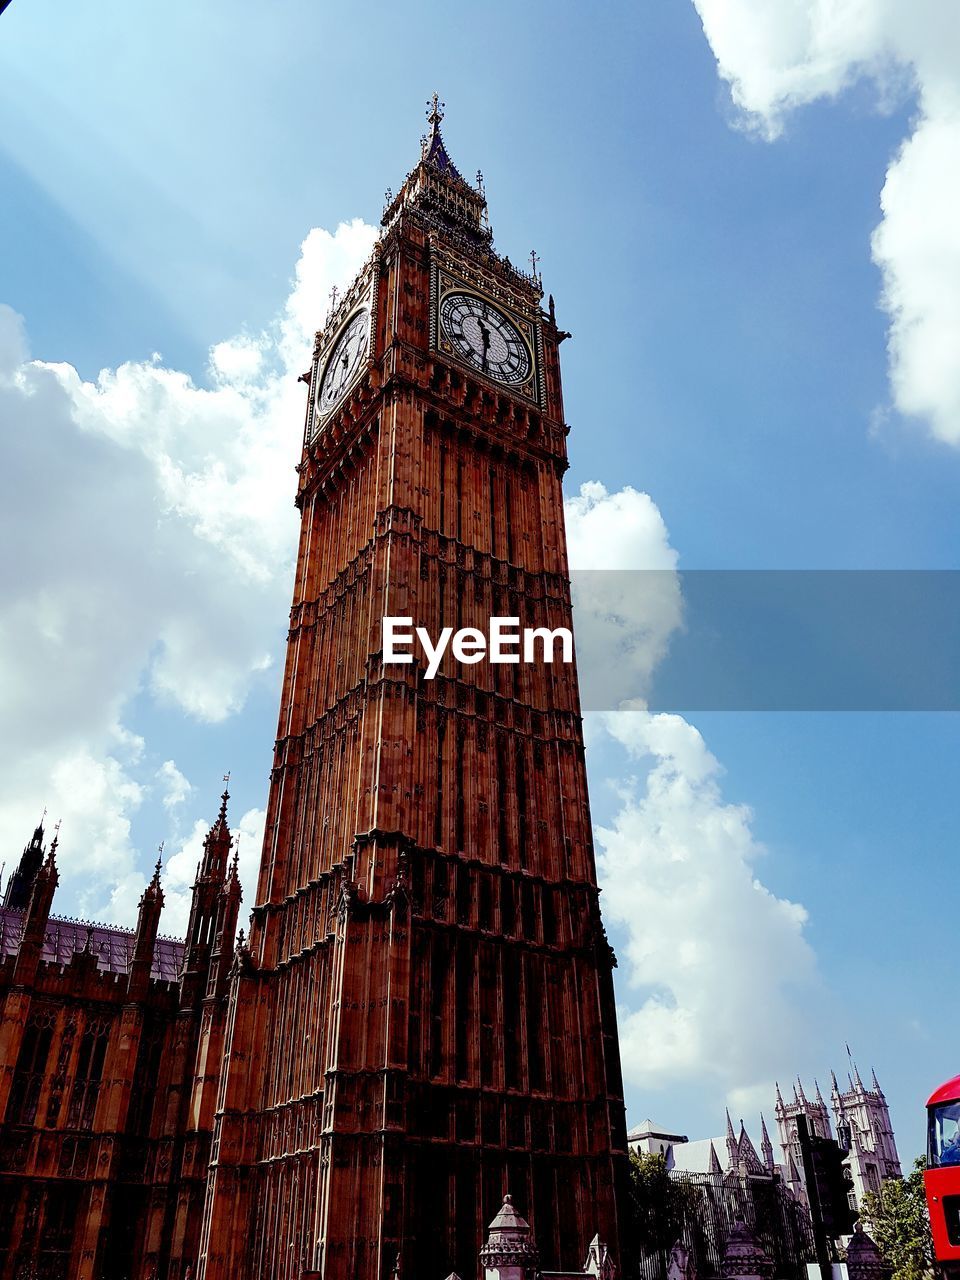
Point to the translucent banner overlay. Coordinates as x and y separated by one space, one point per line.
768 640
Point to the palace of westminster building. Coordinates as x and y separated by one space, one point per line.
421 1019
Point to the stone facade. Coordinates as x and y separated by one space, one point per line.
424 1014
858 1116
110 1044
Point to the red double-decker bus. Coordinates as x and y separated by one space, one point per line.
941 1178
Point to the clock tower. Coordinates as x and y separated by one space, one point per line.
422 1018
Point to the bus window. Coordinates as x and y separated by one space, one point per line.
944 1135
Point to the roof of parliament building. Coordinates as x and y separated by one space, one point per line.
112 945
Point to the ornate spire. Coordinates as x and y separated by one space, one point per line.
875 1082
834 1087
714 1163
54 845
433 151
803 1096
779 1094
222 815
435 110
153 892
766 1146
819 1094
731 1141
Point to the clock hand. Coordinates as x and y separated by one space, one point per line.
485 339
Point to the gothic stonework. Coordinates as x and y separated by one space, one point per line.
424 1017
110 1042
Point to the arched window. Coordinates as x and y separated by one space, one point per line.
31 1066
86 1083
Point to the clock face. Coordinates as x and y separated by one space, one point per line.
485 338
344 361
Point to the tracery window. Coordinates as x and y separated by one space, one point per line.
86 1083
31 1066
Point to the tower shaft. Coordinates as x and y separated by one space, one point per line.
424 1017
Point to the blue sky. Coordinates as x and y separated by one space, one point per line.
161 168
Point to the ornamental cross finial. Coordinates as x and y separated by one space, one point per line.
435 112
226 777
334 295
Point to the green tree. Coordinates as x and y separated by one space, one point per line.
896 1217
655 1211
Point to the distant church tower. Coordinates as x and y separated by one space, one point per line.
864 1114
861 1124
423 1019
818 1122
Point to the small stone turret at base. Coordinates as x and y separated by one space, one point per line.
743 1257
511 1253
864 1260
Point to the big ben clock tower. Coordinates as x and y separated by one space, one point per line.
422 1018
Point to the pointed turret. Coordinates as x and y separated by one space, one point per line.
803 1096
43 886
206 906
834 1087
766 1146
731 1143
875 1082
714 1165
225 929
20 883
780 1106
148 926
819 1095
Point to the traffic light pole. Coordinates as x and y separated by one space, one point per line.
821 1241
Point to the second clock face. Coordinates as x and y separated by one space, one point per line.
344 362
484 337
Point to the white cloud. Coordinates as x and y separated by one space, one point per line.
717 974
718 970
150 535
175 786
777 57
625 591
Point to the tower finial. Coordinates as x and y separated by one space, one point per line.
54 843
222 816
435 109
